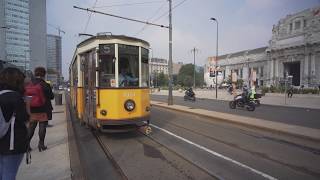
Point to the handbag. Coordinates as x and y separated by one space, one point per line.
41 117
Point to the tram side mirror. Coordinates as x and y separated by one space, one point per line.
114 59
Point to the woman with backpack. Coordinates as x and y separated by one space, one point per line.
14 142
40 104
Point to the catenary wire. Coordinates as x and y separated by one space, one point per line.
164 14
85 29
145 26
129 4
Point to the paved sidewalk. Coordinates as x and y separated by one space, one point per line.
54 163
298 131
298 100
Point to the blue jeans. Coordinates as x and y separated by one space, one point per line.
9 165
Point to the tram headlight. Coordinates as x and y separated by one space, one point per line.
129 105
103 112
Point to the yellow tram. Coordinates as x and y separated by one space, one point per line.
109 77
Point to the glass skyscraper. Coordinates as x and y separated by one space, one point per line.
16 32
23 33
54 59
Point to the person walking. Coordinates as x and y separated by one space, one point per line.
290 92
40 105
14 143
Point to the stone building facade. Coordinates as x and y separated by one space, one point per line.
293 51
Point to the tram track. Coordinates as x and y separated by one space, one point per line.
156 150
108 155
213 175
258 154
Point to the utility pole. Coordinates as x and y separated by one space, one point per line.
194 50
170 99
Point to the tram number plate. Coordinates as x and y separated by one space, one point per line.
129 94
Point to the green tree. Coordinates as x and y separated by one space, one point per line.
200 77
185 76
162 79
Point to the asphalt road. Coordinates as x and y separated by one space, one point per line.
290 115
234 152
185 146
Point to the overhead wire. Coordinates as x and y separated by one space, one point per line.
145 26
85 29
164 14
129 4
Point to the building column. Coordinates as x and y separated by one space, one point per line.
306 73
313 66
276 68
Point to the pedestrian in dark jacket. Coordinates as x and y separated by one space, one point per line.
290 92
40 114
13 103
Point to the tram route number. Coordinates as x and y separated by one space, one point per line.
129 94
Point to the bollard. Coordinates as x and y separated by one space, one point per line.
58 99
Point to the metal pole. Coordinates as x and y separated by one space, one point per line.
194 67
217 61
170 99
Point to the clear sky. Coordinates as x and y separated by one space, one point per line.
243 24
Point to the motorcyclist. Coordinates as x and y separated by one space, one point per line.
253 92
189 92
245 93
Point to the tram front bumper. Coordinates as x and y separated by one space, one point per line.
122 125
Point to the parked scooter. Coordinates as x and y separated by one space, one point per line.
189 95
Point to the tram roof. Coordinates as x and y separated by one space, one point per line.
110 37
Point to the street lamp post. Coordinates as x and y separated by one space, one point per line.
170 98
214 19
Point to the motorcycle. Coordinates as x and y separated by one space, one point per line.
256 99
242 101
189 96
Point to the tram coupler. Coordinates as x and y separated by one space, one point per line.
145 129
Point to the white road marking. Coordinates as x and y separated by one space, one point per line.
215 153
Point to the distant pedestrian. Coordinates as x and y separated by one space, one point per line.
14 142
290 92
42 95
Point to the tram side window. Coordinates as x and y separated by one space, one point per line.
144 67
128 66
106 65
75 74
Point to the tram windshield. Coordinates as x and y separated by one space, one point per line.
107 65
128 66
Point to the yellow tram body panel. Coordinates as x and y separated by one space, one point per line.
80 102
113 100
